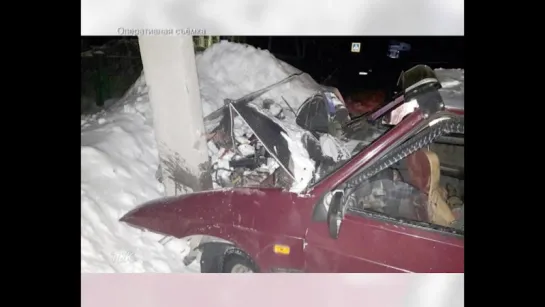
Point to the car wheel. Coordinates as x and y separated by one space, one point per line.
236 261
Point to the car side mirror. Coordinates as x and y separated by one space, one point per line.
334 214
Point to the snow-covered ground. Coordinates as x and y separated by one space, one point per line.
119 157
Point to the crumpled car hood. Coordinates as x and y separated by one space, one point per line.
265 210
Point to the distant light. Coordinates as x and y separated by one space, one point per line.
395 48
393 53
363 73
356 47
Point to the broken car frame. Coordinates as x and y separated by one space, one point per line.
273 230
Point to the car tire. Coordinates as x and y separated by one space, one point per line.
236 261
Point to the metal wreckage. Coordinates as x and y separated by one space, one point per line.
322 114
396 178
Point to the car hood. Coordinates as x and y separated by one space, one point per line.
268 210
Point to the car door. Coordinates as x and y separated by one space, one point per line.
375 243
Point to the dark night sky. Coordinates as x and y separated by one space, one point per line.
446 52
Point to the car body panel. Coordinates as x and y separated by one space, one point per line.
371 245
255 209
257 219
254 219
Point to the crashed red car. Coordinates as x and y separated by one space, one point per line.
327 228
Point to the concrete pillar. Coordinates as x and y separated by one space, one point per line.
171 75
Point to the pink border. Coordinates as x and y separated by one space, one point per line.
264 290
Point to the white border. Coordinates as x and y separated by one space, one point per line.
268 290
274 17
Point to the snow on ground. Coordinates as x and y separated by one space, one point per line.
118 164
119 158
452 82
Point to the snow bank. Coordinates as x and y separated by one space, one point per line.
118 162
451 79
452 82
119 157
228 70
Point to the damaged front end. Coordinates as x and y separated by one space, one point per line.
258 145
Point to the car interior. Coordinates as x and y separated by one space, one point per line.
436 172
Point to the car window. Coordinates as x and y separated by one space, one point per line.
313 115
303 116
420 188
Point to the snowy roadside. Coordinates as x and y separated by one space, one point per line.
119 156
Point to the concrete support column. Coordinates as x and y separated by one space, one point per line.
171 75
